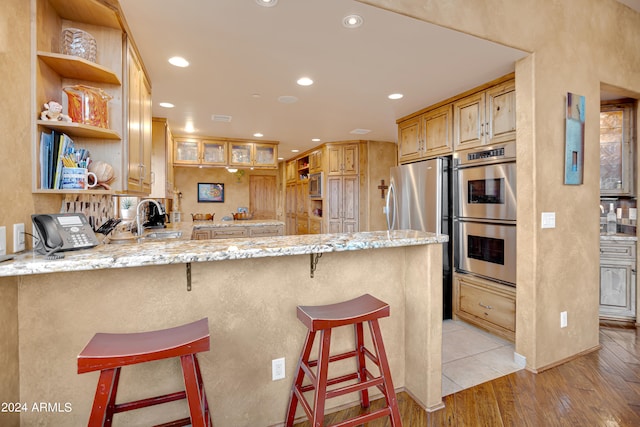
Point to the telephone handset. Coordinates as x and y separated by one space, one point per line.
62 232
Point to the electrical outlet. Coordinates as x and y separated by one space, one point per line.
3 240
277 369
563 319
18 237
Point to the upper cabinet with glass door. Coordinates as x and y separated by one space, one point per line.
200 152
253 154
617 147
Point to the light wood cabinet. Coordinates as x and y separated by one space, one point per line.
237 231
342 159
617 149
291 171
162 178
426 135
486 304
253 154
315 161
139 126
315 225
54 70
343 204
351 200
485 117
290 208
618 280
200 152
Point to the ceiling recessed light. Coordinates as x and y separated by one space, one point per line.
287 99
396 96
316 140
166 105
352 21
188 127
267 3
295 151
305 81
258 135
178 61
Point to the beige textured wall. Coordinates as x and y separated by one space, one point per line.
576 45
251 309
236 190
381 156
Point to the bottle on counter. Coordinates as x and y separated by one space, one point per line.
611 220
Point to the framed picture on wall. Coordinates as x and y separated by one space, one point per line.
210 192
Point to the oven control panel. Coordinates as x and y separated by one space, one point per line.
502 153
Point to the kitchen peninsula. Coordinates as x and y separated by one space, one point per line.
248 288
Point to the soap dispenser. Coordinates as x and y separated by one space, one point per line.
611 220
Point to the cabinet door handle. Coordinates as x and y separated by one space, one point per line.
488 307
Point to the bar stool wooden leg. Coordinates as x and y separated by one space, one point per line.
195 394
362 369
105 398
390 393
297 383
321 378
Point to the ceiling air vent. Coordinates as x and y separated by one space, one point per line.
360 131
221 118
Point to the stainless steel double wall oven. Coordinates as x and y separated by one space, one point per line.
486 212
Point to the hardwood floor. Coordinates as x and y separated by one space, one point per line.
598 389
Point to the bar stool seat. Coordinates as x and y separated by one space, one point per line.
107 353
323 319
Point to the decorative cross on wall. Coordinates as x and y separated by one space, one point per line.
382 187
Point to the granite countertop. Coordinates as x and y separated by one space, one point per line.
176 251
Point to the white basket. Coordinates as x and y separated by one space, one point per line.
79 43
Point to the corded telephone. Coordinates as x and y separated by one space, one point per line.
62 232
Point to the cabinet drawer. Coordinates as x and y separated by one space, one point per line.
315 227
268 230
618 250
228 232
487 304
200 234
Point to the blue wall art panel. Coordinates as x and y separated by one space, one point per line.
574 140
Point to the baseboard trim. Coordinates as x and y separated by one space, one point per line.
565 360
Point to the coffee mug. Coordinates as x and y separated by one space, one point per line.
78 179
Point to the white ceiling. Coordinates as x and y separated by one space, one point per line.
244 56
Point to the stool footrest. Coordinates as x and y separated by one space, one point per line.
336 357
143 403
337 380
354 387
177 423
364 418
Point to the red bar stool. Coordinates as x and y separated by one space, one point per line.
324 318
107 353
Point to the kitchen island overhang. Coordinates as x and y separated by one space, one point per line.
250 303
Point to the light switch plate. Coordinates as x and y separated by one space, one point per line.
18 237
3 240
548 220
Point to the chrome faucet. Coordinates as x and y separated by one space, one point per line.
139 225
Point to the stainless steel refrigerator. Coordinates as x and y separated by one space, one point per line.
419 198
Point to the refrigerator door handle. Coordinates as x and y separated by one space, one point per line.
391 213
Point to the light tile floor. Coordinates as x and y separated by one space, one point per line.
471 356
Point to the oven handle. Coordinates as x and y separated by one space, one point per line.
486 221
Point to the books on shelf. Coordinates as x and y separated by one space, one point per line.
54 146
